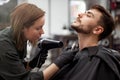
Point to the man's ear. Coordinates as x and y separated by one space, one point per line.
98 30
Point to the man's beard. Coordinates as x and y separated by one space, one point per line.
81 30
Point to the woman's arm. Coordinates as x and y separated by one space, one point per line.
50 71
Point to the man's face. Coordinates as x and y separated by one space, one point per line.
85 22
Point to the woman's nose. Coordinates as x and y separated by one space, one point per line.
42 31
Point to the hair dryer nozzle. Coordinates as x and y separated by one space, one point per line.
49 44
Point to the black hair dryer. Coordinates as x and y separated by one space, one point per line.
49 44
43 44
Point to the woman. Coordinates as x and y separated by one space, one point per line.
27 22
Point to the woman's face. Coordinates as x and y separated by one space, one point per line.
34 32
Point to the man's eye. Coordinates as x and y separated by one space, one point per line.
89 15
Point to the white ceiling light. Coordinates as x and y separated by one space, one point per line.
2 2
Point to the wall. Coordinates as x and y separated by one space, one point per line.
59 16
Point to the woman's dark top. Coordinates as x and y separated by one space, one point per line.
11 60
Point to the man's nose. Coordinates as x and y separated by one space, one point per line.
80 15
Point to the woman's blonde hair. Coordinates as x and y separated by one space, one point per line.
23 16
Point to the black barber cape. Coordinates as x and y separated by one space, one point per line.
93 63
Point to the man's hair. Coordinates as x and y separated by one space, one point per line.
23 16
106 21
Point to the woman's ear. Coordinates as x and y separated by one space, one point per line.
98 30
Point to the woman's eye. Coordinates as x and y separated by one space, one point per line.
38 28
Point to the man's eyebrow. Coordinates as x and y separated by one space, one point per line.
89 13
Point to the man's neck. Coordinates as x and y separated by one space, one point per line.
87 42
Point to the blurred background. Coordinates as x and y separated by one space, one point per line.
59 16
